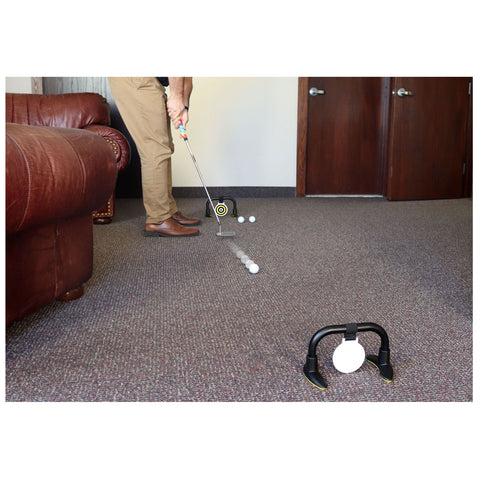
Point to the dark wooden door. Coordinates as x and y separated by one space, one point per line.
427 154
346 135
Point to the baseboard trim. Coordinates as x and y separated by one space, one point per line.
344 196
235 192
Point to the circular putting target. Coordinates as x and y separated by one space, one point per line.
348 356
221 209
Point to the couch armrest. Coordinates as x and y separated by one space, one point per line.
54 174
117 142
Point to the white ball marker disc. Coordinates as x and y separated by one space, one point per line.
348 356
221 209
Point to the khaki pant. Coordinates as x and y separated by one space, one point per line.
141 102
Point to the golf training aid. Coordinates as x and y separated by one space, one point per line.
183 134
221 207
349 355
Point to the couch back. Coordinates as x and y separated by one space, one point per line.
69 110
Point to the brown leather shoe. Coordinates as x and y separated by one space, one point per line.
183 220
169 228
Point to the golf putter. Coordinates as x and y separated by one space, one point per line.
183 134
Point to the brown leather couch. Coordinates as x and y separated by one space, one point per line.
55 179
88 111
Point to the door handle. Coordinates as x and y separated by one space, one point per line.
315 91
404 93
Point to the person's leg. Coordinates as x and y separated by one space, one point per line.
141 102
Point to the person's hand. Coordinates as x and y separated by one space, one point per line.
177 111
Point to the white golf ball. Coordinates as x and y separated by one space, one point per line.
254 268
241 219
248 263
240 253
244 259
251 219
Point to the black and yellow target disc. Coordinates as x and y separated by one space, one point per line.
221 209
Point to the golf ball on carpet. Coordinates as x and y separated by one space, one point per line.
253 268
251 219
248 263
240 253
244 259
241 219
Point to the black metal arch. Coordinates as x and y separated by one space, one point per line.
381 361
222 200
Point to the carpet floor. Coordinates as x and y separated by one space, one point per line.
166 320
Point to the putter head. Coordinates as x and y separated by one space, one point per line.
225 234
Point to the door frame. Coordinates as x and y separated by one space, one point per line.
302 126
468 176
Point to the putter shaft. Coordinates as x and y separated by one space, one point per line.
183 134
203 183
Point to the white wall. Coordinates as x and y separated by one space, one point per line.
18 84
242 130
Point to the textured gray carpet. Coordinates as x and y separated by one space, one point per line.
182 320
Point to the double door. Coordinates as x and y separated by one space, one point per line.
404 138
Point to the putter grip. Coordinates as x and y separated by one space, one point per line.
183 132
